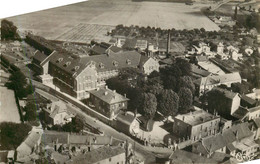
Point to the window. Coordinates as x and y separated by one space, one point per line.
110 159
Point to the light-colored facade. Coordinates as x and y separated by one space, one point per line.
196 125
76 76
108 102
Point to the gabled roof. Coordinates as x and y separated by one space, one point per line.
201 72
39 56
227 93
221 79
213 143
108 95
248 99
251 110
97 155
126 118
257 122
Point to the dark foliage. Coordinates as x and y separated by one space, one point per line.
9 31
12 135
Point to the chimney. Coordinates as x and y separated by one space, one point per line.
106 87
168 43
106 93
183 117
236 133
97 88
125 95
114 91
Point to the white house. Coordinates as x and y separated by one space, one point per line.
57 113
234 53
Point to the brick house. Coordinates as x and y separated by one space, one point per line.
108 102
196 125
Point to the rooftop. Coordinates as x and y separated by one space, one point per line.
97 155
254 109
196 117
211 67
108 96
227 93
220 79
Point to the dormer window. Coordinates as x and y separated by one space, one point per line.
101 65
115 63
59 60
67 64
75 68
128 61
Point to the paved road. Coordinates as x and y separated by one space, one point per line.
140 150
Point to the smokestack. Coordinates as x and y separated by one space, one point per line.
168 43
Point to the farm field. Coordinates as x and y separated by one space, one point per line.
86 32
8 108
52 23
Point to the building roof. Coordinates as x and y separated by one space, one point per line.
257 122
108 95
197 71
89 139
202 58
211 67
126 118
213 143
248 99
29 143
220 79
196 117
57 107
49 137
97 155
240 112
181 156
227 93
254 109
39 56
102 62
237 132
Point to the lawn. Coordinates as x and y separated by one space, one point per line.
8 108
54 22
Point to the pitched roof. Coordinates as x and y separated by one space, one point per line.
39 56
87 139
29 143
237 132
251 110
220 79
214 143
97 155
126 118
49 137
202 58
240 112
108 95
257 122
227 93
196 70
248 99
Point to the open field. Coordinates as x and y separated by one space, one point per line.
8 108
86 32
54 22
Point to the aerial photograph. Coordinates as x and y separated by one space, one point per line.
131 82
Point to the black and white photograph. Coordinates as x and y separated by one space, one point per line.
130 82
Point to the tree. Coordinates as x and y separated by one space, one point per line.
13 134
187 82
30 110
184 66
76 125
17 82
168 102
8 30
185 98
149 105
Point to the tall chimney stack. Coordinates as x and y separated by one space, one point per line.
168 43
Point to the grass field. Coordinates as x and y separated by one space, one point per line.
8 108
54 22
